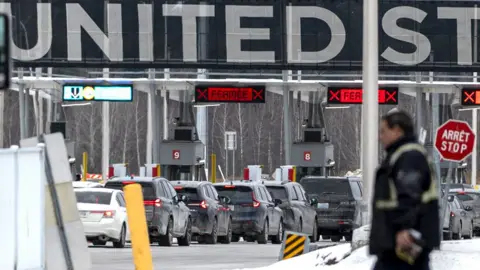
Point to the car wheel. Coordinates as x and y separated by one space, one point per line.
120 243
212 238
186 239
235 238
349 237
470 233
277 239
227 239
262 238
336 238
457 235
167 239
449 234
314 236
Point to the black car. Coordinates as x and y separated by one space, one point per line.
166 213
298 212
255 214
211 218
338 204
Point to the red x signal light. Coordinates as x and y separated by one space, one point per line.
470 97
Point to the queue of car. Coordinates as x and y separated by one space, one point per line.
257 211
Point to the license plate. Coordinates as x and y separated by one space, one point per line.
231 207
83 214
322 205
193 210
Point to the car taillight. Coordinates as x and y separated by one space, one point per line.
452 214
204 205
255 202
156 203
109 214
106 214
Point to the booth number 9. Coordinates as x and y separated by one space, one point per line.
176 154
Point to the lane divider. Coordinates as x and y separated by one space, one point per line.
294 244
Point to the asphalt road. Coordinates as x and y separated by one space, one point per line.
194 257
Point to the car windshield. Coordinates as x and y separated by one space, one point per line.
237 194
94 197
147 188
191 193
326 187
278 192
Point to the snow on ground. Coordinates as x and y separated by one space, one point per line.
459 255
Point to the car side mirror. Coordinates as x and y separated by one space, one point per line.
277 202
313 201
468 208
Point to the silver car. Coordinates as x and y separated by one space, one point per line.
458 220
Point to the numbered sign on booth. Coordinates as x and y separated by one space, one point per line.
307 155
176 154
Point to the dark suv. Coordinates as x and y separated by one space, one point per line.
166 213
211 218
338 204
298 212
255 215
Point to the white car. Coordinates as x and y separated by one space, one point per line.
103 215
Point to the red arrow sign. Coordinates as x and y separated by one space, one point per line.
454 140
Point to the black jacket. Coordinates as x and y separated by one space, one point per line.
405 197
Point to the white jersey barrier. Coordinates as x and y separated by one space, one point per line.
67 246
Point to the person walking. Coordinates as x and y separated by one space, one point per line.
405 215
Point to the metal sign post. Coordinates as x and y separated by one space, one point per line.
230 145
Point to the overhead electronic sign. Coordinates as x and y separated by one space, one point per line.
230 94
471 97
388 96
113 93
165 34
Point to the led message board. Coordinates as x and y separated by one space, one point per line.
230 94
339 95
114 93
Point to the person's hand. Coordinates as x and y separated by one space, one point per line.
404 239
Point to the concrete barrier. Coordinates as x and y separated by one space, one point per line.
67 246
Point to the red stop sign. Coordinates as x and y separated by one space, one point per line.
454 140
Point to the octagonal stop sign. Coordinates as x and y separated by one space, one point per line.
455 140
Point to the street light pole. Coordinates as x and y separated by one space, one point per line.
474 153
370 100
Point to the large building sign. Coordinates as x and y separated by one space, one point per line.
240 34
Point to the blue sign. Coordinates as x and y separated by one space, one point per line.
115 93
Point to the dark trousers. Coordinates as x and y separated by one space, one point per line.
392 262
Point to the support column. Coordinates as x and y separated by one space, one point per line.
287 123
2 117
370 101
150 120
474 153
21 103
202 113
436 158
105 132
419 109
27 111
157 126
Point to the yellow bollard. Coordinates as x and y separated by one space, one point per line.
137 222
85 166
214 168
